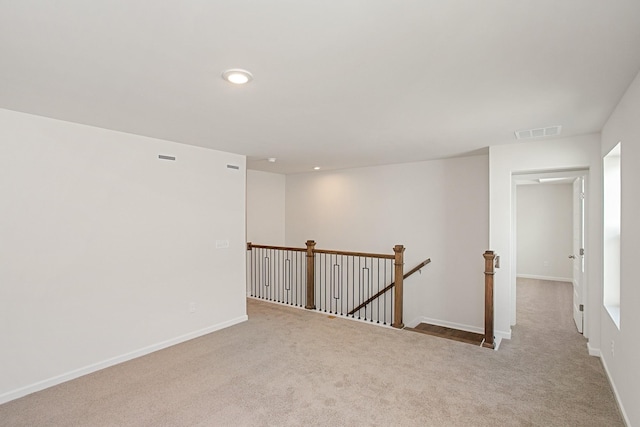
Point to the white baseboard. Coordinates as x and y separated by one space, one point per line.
415 322
503 335
551 278
68 376
615 391
593 351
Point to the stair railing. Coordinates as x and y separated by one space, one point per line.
330 281
277 273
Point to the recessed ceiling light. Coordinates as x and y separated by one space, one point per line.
237 76
317 168
271 159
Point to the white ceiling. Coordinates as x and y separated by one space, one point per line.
337 83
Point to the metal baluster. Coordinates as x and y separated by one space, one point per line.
378 299
336 282
259 273
326 293
273 285
384 322
260 279
267 270
299 296
287 278
281 296
320 281
327 273
330 283
265 276
353 284
281 274
277 280
251 272
256 272
391 297
299 281
345 303
368 285
359 282
352 260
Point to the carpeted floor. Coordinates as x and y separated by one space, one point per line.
290 367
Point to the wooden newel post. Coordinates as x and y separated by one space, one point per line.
311 299
489 272
398 288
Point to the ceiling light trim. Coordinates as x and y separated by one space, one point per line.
237 76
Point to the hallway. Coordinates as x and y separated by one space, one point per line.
553 354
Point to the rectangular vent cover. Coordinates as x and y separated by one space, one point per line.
539 132
233 167
163 157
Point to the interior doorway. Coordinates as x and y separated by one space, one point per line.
548 232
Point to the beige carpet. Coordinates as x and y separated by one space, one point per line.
290 367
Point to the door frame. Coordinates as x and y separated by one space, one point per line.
520 178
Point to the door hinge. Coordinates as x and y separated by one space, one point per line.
581 307
582 251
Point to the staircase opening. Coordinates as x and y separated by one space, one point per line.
362 286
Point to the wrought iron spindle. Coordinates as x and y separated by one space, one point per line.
378 299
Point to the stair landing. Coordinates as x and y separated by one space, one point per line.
449 333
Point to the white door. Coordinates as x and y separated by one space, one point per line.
578 253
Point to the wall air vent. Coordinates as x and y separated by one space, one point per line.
163 157
539 132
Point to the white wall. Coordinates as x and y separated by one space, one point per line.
539 156
104 248
622 363
265 208
436 209
545 231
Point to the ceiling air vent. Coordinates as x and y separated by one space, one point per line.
539 132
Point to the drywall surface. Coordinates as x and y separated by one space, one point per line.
436 209
545 231
620 348
109 252
265 208
542 156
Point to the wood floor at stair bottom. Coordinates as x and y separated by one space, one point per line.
449 333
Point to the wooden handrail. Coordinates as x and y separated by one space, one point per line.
283 248
322 251
413 270
362 254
